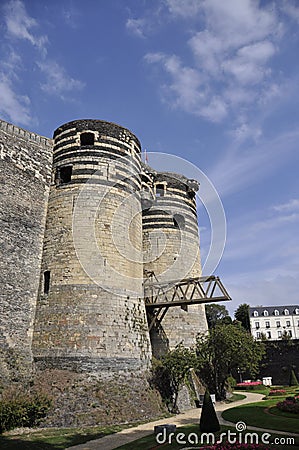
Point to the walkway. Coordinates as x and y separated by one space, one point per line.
113 441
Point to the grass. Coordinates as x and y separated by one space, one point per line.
235 398
150 443
254 414
260 389
56 438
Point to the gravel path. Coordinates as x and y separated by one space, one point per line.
113 441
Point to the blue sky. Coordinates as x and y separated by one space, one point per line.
212 81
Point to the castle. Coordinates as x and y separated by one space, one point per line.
83 224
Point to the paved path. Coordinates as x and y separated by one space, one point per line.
112 441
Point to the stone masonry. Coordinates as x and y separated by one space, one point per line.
25 168
79 235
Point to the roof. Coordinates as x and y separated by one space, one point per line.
271 309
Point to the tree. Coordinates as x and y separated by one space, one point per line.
224 349
242 315
209 422
177 363
216 314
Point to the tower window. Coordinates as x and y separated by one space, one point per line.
46 281
160 190
64 174
87 138
179 221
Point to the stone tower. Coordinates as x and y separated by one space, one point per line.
90 314
172 252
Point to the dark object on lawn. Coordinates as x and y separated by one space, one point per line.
208 421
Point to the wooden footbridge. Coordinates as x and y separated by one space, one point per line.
160 296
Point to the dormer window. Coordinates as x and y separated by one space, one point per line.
286 312
87 138
297 311
255 313
266 313
276 312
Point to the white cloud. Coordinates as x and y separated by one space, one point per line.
186 89
292 205
289 7
13 106
20 24
232 52
184 8
58 81
136 27
246 132
248 66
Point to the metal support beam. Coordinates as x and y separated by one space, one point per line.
160 296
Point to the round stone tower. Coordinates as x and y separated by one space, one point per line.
90 313
172 253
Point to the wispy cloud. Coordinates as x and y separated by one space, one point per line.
290 8
58 82
240 167
186 89
232 56
183 8
20 25
290 206
13 107
136 27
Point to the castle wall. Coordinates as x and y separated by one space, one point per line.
172 252
25 167
91 316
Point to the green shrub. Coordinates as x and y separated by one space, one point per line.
209 422
231 383
22 410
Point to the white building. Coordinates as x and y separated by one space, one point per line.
274 322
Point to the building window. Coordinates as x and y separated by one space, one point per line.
160 190
286 312
296 311
279 333
179 221
276 312
258 335
267 324
257 325
290 333
266 313
87 138
298 323
269 334
288 323
46 281
278 324
255 313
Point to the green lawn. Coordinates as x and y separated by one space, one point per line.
150 443
254 414
56 438
235 398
